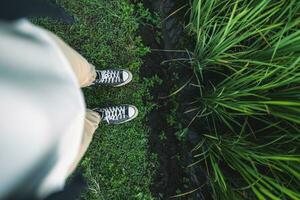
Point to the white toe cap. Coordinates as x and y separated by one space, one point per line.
125 75
132 111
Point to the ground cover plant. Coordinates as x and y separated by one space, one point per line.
246 64
105 32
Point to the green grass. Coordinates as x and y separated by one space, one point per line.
230 34
116 165
255 46
267 169
251 106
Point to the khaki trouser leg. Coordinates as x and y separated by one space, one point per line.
86 74
92 121
84 71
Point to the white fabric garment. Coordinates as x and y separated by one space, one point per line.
41 107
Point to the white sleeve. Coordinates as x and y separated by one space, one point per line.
41 107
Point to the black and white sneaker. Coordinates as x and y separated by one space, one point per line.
117 114
113 77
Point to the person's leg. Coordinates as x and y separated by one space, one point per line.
84 71
87 74
92 121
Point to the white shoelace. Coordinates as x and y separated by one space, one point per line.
114 113
110 76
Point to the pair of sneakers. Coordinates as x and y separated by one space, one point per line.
118 114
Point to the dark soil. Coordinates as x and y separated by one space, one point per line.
170 174
173 155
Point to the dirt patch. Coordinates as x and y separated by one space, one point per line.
173 155
169 176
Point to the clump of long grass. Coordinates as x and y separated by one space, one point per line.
237 32
253 48
261 93
268 169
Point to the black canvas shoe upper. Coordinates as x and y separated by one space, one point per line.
113 77
117 114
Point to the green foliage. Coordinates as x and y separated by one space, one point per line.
162 136
251 106
144 15
269 167
117 165
231 34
